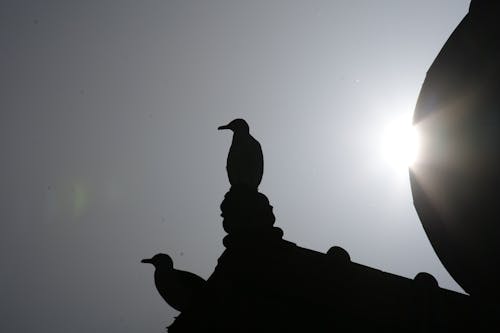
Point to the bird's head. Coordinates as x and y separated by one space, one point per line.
238 125
160 260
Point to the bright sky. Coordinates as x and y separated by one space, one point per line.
109 115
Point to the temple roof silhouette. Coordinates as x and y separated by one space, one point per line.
264 283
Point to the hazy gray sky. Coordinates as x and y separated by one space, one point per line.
110 150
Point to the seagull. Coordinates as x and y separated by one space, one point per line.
245 162
175 286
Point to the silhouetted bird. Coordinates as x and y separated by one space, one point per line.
245 162
176 287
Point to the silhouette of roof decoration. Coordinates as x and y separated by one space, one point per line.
263 283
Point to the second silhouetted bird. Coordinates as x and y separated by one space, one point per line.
175 286
245 162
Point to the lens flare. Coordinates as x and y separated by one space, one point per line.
400 144
80 200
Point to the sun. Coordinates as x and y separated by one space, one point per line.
400 144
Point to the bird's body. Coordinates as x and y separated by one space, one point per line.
245 161
176 287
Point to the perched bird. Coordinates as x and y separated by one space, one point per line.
176 287
245 162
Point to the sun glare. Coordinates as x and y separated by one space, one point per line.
400 144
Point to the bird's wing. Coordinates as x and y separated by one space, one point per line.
190 280
257 160
260 157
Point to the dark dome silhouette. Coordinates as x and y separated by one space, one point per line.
456 182
175 286
245 162
426 280
339 254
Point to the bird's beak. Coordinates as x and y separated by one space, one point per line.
146 261
223 127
